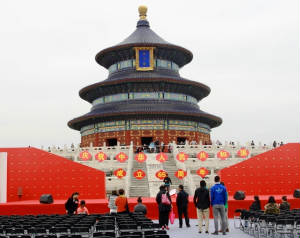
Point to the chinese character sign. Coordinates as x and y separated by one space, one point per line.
100 156
182 156
85 155
162 157
202 155
180 174
139 174
243 153
223 154
202 172
141 157
120 173
121 157
160 174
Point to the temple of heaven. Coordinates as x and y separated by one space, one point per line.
144 98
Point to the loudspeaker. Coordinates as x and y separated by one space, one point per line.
297 193
46 199
239 195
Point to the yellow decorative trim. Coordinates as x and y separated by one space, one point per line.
137 58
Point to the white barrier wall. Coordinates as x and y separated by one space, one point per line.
3 177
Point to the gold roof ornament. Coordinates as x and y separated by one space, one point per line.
143 12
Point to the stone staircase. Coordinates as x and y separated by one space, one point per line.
139 187
170 167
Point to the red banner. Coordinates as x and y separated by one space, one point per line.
100 156
202 155
160 174
141 157
223 154
181 156
180 174
121 157
85 155
162 157
120 173
243 153
202 172
139 174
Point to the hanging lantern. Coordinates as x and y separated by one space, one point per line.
202 155
162 157
181 156
160 174
120 173
140 157
139 174
243 153
223 154
121 157
85 155
180 174
100 156
202 172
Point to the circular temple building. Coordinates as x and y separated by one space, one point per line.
144 98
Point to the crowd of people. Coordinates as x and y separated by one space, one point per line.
154 147
216 197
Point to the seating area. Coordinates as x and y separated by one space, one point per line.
134 225
259 224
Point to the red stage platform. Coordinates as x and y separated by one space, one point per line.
100 206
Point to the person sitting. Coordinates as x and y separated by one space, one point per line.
284 206
121 202
140 207
255 206
82 209
111 202
271 207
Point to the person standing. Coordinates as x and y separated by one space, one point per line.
226 211
72 204
182 202
167 182
140 207
284 206
164 202
202 203
121 202
218 196
82 209
112 202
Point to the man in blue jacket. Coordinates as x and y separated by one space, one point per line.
218 196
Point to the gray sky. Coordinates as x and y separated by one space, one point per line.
246 51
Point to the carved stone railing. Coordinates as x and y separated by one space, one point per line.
129 170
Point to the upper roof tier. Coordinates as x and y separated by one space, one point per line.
143 36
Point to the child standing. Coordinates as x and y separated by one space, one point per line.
82 208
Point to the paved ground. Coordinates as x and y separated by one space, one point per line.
192 232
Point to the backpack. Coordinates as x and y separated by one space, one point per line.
164 199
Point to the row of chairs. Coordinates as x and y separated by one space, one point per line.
134 225
259 224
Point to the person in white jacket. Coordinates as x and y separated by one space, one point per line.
111 202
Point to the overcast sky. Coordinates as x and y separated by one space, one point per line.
246 51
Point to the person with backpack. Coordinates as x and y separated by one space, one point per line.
202 203
182 202
164 202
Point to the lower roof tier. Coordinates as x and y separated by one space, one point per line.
184 86
143 109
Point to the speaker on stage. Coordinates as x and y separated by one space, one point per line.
239 195
46 199
297 193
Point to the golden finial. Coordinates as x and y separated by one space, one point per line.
143 12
